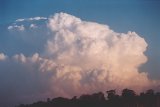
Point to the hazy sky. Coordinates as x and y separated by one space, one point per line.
30 38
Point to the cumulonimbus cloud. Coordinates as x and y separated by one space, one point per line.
94 57
80 57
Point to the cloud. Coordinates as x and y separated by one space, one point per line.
94 57
16 27
79 57
22 79
33 26
37 18
20 20
2 56
31 19
22 27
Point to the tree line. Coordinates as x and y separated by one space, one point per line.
128 98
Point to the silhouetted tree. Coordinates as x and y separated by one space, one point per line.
150 98
157 99
127 99
127 93
48 99
113 98
150 92
111 94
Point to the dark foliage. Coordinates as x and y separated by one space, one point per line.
127 99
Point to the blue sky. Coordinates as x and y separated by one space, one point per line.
140 16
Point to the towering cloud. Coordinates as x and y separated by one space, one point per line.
79 57
94 57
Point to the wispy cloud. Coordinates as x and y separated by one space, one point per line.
37 18
16 27
31 19
20 20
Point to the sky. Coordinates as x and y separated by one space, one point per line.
46 42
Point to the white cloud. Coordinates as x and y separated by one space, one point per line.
17 27
37 18
33 26
22 27
31 19
2 57
100 58
10 27
20 20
